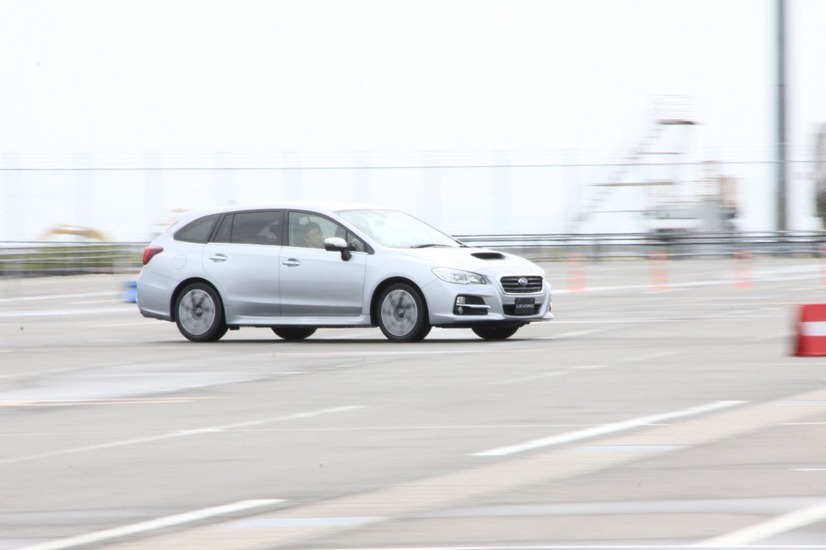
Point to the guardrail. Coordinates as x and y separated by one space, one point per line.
35 259
555 247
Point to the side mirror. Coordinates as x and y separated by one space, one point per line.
337 244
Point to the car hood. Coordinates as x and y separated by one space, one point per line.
479 260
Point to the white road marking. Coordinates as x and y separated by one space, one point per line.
803 424
766 505
606 429
517 380
647 356
112 401
362 354
265 522
566 547
42 297
153 525
553 374
767 529
527 378
575 333
86 302
484 482
144 323
43 372
176 434
437 427
67 312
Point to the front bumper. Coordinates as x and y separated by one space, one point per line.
497 306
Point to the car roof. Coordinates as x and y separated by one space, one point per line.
329 207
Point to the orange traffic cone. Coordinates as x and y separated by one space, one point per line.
576 272
811 330
658 269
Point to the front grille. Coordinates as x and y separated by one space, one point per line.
511 284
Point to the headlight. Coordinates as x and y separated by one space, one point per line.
459 277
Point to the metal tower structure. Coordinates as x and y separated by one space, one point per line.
652 181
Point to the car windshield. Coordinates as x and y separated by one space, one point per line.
395 229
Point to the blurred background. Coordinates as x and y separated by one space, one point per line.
485 118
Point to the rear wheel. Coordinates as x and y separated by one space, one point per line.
294 333
403 314
199 313
495 332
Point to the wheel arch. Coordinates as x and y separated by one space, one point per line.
374 300
185 283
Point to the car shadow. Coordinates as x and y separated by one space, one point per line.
333 341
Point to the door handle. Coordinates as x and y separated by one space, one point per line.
218 258
292 262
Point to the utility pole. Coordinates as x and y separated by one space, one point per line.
782 222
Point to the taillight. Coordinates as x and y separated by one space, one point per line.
150 252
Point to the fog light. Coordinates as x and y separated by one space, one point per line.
469 305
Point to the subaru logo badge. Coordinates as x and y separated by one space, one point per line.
523 281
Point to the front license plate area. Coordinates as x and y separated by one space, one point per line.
524 306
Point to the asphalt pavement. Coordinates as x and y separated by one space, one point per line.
663 407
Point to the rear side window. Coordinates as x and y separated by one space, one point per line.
197 231
260 227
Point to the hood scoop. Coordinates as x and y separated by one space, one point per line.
488 255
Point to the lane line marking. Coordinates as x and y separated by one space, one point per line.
567 547
370 353
87 302
176 434
42 297
803 424
767 529
606 429
268 522
483 482
102 401
336 429
153 525
67 312
144 323
646 357
528 378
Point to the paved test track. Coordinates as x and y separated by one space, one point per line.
668 415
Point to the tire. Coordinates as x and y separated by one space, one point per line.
294 334
402 314
494 332
199 313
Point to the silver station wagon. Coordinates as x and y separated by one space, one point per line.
294 268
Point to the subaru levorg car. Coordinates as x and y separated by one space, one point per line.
295 268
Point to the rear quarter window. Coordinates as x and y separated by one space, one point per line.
197 231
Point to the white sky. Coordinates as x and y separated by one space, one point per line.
175 76
392 74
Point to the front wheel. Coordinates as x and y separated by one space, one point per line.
403 314
293 333
495 333
199 313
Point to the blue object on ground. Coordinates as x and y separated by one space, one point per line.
130 292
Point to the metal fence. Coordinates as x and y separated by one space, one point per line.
36 259
642 245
